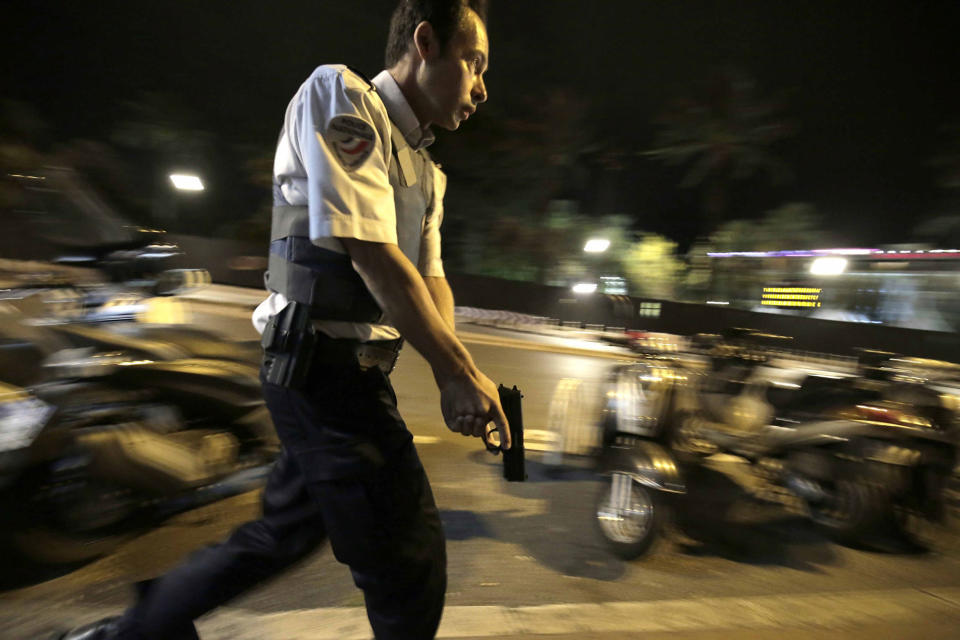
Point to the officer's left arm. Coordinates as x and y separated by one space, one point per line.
442 297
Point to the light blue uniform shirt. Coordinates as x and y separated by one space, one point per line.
349 152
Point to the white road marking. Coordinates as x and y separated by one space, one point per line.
811 611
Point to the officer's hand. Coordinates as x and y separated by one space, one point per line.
469 402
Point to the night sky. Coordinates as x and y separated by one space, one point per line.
867 84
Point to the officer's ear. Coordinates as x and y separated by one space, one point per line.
425 41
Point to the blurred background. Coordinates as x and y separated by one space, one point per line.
644 177
681 134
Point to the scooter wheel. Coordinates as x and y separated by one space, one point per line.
853 512
918 530
628 515
88 524
933 526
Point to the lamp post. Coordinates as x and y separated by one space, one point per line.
828 266
186 182
584 288
596 245
182 182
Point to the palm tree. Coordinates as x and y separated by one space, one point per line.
506 174
943 230
721 137
948 160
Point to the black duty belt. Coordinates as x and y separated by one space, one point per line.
292 345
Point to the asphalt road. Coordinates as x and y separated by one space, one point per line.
524 559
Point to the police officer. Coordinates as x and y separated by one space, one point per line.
354 265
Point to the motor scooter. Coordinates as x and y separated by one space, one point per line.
104 433
860 444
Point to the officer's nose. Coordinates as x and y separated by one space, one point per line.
479 93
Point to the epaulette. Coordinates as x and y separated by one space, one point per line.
362 76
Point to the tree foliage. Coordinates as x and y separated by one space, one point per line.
653 268
792 226
942 231
507 172
947 162
549 248
724 134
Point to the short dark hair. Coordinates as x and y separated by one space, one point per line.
443 15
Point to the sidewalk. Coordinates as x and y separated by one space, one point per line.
227 295
220 294
857 615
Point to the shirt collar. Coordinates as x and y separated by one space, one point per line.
401 113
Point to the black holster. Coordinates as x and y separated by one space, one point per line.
289 341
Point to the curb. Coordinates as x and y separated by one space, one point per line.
247 298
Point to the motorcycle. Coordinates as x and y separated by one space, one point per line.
859 445
110 420
627 447
641 477
95 443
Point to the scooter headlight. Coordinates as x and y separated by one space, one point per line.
21 420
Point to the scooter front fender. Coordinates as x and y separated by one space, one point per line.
647 462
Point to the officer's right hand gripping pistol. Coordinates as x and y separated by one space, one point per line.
513 458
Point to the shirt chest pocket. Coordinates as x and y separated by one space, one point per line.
413 198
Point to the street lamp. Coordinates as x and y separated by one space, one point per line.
585 287
167 202
186 182
596 245
828 266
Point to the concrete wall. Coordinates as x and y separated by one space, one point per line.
240 264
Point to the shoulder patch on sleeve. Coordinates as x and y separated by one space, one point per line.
351 139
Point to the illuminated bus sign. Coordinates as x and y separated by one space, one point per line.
791 297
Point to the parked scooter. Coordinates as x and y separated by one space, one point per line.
641 476
108 423
103 432
860 448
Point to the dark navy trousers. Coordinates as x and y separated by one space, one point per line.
349 473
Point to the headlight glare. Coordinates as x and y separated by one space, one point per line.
21 421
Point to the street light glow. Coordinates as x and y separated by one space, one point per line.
828 266
184 182
596 245
585 287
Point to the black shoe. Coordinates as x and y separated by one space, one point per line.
106 629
